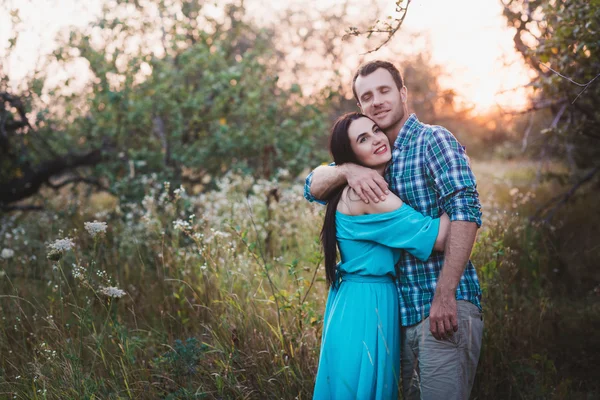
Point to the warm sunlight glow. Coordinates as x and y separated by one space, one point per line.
471 40
468 38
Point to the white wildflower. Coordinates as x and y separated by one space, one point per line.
112 291
283 173
78 272
180 191
94 228
62 245
181 225
7 253
218 234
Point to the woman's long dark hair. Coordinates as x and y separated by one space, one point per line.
341 150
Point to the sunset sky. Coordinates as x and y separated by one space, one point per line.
469 38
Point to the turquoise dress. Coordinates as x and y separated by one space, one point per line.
360 348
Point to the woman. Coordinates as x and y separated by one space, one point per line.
360 349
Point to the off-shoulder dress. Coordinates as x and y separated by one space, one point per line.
360 348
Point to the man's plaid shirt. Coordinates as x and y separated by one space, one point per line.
430 172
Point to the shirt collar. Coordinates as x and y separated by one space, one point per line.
408 130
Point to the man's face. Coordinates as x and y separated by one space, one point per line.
380 99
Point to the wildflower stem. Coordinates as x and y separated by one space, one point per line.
263 264
312 281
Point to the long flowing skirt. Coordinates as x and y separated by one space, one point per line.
360 348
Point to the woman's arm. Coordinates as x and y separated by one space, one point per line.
392 224
393 202
440 242
352 205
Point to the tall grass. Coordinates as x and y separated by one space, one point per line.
224 295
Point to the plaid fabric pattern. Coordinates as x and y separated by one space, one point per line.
430 172
307 194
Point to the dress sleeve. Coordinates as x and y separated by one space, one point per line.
403 228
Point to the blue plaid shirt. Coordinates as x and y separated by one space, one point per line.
430 172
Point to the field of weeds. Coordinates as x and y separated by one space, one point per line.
221 294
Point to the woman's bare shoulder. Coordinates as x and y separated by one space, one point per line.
391 203
351 204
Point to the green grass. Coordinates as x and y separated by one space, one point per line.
229 303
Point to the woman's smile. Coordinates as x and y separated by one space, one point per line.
381 149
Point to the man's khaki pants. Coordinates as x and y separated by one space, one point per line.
442 369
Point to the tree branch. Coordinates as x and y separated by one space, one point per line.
21 207
78 179
389 29
583 85
526 134
563 198
159 130
32 179
540 105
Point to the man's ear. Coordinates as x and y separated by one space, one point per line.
359 107
404 94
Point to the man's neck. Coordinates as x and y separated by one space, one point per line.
393 130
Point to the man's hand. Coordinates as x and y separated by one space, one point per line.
443 318
366 182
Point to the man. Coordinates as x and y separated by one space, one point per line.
440 306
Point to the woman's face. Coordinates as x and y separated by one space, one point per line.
369 143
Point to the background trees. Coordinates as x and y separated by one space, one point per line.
204 101
171 89
559 41
223 297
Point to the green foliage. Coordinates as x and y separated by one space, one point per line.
183 358
175 93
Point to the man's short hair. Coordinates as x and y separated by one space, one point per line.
372 66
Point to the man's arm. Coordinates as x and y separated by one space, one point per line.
325 179
456 186
366 182
443 319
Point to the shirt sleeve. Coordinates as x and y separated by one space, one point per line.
307 183
403 228
455 184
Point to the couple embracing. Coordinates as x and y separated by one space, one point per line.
403 308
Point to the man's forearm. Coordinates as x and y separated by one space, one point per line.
326 179
457 252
